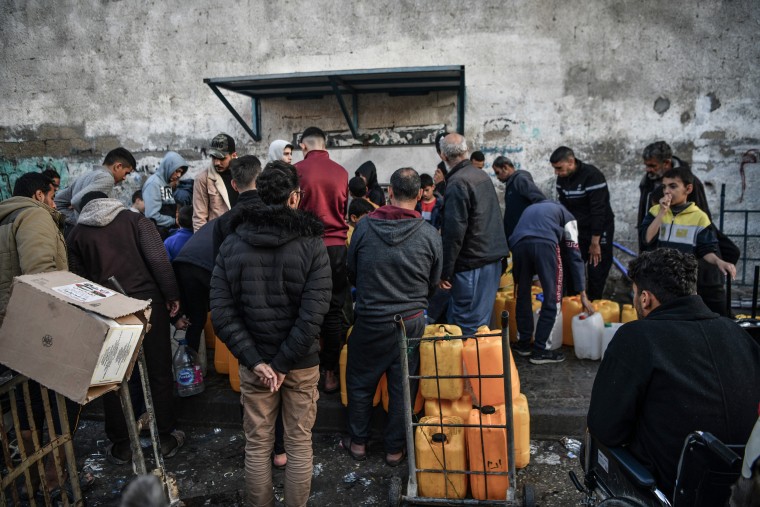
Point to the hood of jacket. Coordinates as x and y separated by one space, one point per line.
276 149
10 206
100 212
393 224
170 163
273 226
369 171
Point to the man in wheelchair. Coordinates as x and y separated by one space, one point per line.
677 370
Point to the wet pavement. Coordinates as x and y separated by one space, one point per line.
209 471
209 468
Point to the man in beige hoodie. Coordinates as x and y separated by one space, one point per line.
213 194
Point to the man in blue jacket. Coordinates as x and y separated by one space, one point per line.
543 232
157 192
519 192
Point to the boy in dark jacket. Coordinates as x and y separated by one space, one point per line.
270 291
431 203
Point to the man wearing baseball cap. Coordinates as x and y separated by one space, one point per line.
213 194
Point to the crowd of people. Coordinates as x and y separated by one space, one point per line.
287 257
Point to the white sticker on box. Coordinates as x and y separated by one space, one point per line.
84 292
603 461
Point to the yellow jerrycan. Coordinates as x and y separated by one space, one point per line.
456 408
208 332
628 314
441 358
342 362
487 449
430 444
491 363
610 310
571 306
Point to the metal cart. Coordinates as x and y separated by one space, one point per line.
395 493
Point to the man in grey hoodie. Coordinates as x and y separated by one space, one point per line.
157 191
394 261
117 165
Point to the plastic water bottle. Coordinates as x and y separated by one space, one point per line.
187 370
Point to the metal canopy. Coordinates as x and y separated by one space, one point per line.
341 84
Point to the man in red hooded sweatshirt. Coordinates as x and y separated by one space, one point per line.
325 193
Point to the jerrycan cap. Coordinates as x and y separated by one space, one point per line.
439 438
608 324
582 316
487 410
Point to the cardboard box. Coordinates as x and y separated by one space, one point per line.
71 335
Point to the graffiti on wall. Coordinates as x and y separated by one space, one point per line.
10 170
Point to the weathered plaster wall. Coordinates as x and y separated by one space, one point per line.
79 77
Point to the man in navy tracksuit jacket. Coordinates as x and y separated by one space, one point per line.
583 190
544 229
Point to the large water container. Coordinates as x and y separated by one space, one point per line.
510 305
491 363
610 310
555 337
571 306
521 418
430 444
487 450
587 335
628 314
610 329
234 369
441 358
221 357
455 408
208 332
343 390
498 307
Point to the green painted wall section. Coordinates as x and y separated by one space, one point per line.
10 170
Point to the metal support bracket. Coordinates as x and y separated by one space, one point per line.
352 118
255 133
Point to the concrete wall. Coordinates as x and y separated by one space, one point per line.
79 77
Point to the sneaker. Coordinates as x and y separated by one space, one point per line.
522 348
546 356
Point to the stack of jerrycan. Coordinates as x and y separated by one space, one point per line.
490 391
628 313
444 397
430 444
343 361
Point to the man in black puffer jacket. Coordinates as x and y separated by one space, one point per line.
270 291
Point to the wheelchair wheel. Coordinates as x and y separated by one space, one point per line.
618 502
528 496
394 492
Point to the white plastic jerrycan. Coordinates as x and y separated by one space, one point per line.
587 335
610 328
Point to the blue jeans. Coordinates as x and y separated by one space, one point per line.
472 295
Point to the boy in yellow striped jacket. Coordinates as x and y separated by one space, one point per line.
679 224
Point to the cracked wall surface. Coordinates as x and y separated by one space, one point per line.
605 78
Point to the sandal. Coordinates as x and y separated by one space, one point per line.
345 443
395 462
179 441
118 460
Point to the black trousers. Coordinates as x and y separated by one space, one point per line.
597 275
537 257
158 358
373 350
332 327
194 286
